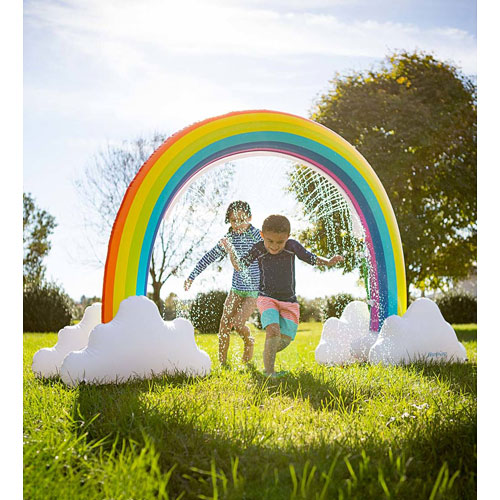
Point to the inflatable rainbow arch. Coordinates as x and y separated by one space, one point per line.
185 154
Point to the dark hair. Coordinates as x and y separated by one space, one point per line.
235 206
276 224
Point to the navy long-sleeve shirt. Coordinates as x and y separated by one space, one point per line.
277 271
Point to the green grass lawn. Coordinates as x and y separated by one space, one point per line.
362 431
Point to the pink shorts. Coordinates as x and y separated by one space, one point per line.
285 314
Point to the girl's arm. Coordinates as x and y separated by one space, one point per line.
210 257
228 247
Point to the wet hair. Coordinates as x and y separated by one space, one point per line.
235 206
276 224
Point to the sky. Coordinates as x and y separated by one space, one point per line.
98 73
84 73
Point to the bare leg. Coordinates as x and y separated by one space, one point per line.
226 326
245 309
272 346
284 342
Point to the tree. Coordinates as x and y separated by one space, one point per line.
188 226
414 120
332 229
46 307
170 307
38 225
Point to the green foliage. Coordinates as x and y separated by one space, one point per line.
206 311
255 320
414 120
311 310
46 308
458 307
334 306
38 225
360 431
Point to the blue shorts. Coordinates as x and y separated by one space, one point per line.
285 314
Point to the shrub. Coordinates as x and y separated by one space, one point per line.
206 311
310 310
335 305
46 308
458 307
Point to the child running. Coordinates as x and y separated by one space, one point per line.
277 302
241 300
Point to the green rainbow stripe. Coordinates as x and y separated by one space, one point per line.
152 193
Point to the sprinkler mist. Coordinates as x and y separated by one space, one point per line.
337 229
322 218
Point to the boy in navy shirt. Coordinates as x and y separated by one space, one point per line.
277 302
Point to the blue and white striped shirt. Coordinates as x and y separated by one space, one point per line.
246 280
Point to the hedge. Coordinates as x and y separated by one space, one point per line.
206 311
46 308
458 307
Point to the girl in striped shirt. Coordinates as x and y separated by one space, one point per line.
242 299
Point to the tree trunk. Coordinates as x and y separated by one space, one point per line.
156 297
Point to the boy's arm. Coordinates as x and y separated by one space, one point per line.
310 258
321 261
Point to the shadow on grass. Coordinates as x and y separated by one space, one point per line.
462 377
204 452
122 414
322 393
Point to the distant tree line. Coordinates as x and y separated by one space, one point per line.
205 311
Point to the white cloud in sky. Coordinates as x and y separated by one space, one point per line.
123 33
204 58
196 59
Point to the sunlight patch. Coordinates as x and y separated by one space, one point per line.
47 362
421 334
136 343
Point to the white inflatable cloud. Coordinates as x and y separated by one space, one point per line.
348 339
47 361
136 343
420 334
